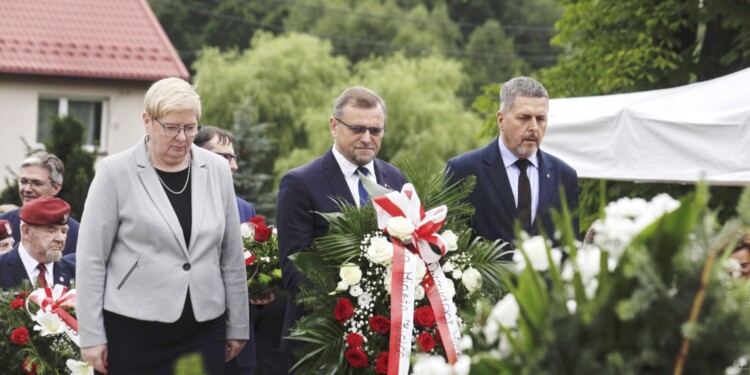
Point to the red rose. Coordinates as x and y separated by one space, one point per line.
424 317
262 233
29 367
258 220
356 358
425 342
16 304
380 324
354 340
381 363
20 336
344 310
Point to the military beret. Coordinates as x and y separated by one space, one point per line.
5 230
45 211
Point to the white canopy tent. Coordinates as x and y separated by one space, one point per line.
682 134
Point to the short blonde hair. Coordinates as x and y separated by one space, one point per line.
171 94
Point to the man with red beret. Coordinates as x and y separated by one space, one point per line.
38 257
6 237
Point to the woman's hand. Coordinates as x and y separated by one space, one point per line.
263 301
233 348
96 356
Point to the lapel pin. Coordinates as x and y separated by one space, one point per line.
61 278
548 176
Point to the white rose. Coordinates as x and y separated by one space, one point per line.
350 274
457 274
418 293
451 240
421 269
364 299
401 228
355 290
247 230
506 312
380 251
449 288
447 267
472 280
536 250
341 286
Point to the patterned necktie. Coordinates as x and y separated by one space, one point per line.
363 196
524 195
42 278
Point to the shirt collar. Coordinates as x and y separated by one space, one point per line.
29 263
348 168
509 158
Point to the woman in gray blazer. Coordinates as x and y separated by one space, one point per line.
160 270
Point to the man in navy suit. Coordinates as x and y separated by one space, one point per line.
522 121
38 257
41 176
358 126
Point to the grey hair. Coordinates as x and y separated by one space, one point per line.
48 161
520 86
361 97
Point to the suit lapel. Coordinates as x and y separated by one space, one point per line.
152 186
547 183
17 270
494 168
198 186
335 178
60 274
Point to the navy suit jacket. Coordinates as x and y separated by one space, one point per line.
13 273
70 242
303 191
493 198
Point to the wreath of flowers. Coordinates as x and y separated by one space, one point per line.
262 262
355 288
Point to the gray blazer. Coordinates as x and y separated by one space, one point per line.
132 256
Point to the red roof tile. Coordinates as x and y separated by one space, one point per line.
120 39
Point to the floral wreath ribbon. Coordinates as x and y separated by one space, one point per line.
406 205
55 300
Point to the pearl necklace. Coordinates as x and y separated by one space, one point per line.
187 181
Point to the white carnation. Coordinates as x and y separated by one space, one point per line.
457 274
350 274
380 251
449 288
451 240
447 267
247 230
401 228
472 280
421 269
431 365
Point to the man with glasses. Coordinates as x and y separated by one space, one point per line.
41 176
358 126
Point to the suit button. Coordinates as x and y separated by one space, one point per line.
186 266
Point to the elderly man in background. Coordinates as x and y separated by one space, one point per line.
41 176
38 257
6 237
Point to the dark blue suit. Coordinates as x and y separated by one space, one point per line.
493 198
13 273
70 242
303 191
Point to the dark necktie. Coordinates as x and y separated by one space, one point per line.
42 278
524 195
363 196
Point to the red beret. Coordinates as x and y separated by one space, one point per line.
45 211
5 230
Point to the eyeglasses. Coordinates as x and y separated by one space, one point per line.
229 157
359 129
34 183
174 130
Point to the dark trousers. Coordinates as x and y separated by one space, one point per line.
154 348
268 321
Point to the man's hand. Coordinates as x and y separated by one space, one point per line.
233 348
263 301
96 356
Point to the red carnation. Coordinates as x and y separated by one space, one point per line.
20 336
425 342
258 220
354 340
16 304
262 233
344 310
424 317
356 357
381 363
380 324
29 367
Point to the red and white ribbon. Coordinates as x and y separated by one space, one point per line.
407 204
55 300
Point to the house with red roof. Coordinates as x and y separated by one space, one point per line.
89 58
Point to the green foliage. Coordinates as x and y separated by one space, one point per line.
190 364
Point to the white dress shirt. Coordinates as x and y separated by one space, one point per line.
30 264
349 170
513 172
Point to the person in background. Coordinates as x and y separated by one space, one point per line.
357 126
38 257
160 259
6 237
516 180
41 176
267 315
741 254
7 207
